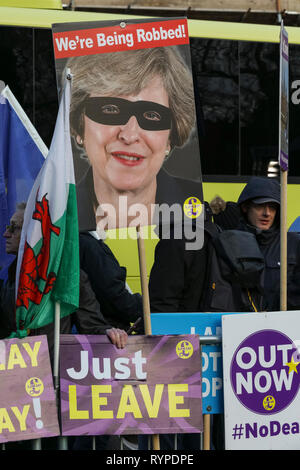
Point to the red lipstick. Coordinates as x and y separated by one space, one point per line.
128 158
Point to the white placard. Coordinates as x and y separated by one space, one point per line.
261 367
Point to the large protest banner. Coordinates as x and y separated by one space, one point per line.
205 325
133 122
135 136
27 401
261 381
152 386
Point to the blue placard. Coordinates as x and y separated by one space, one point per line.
203 324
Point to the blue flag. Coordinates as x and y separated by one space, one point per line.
22 154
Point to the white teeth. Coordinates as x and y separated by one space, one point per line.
126 157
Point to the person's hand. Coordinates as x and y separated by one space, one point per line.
117 337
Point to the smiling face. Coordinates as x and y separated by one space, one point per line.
126 157
261 216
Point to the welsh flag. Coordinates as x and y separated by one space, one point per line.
48 258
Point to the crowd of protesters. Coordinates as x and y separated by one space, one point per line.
177 279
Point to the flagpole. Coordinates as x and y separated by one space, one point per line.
63 441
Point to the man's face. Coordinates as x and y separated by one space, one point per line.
261 216
13 233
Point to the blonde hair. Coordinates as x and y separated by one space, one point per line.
127 73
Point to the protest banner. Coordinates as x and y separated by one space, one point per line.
261 381
203 324
134 133
27 400
132 85
152 386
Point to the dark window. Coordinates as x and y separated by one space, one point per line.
27 67
294 110
216 77
238 87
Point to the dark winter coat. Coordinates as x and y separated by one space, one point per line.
88 318
269 243
178 276
108 280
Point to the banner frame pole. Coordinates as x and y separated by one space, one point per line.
144 283
62 440
283 241
206 432
205 416
146 303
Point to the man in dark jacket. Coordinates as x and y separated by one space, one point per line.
119 306
260 208
176 284
178 275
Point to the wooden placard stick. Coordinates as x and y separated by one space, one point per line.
146 304
206 433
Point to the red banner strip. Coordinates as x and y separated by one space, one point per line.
121 37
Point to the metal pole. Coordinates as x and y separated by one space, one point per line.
283 242
56 347
208 340
36 444
62 441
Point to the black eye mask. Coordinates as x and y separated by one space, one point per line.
117 111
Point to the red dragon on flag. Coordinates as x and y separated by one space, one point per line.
34 267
